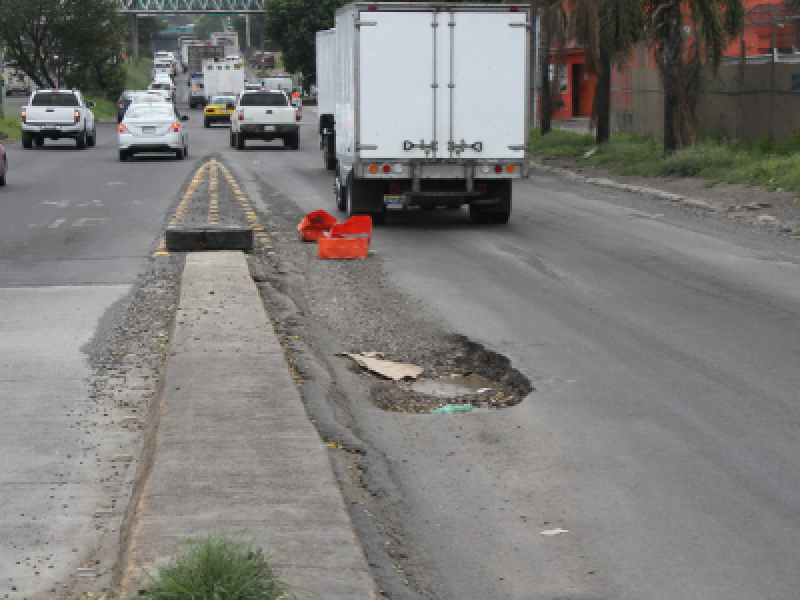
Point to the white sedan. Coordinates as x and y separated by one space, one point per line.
153 127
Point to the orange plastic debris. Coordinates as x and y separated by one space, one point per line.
328 247
350 239
356 226
315 225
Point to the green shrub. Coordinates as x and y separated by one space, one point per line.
216 568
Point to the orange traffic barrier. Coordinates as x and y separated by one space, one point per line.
315 225
355 227
350 239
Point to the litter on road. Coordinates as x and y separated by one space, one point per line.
396 371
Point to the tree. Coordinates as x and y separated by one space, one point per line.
609 29
685 36
293 25
65 42
552 21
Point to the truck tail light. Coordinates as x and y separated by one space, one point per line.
77 115
122 128
23 113
241 116
297 115
176 127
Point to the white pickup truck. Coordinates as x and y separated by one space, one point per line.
264 115
57 114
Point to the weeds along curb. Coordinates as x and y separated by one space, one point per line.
695 203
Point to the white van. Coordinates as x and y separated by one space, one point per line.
164 85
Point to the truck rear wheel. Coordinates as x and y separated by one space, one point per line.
498 213
328 154
27 140
80 141
239 141
363 197
292 141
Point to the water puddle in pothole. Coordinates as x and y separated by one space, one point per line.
451 387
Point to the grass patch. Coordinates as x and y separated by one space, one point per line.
766 163
103 108
138 78
216 568
10 125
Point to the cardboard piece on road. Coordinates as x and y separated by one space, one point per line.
386 368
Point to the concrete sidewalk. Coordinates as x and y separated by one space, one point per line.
234 450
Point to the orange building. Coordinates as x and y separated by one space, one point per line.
769 24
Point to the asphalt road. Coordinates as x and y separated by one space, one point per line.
77 229
655 460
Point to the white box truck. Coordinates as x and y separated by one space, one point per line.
228 39
325 104
222 78
415 124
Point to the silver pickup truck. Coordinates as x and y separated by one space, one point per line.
57 114
264 115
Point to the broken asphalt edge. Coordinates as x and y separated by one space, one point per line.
737 213
230 448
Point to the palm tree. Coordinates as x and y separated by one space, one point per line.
684 37
552 19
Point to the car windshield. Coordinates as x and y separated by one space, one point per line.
264 99
144 111
223 100
55 99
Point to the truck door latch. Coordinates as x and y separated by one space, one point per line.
462 145
432 147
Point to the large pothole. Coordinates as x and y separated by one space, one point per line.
457 372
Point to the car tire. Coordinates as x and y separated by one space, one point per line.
292 142
80 141
27 140
206 123
239 141
179 154
339 192
186 151
123 155
233 140
4 173
92 139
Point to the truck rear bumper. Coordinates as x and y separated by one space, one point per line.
269 129
53 130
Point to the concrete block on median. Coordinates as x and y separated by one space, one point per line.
209 238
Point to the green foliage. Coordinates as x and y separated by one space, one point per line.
138 77
208 24
771 164
216 568
10 126
293 25
47 39
104 108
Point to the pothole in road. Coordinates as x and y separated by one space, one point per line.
458 372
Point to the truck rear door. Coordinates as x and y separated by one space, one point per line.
424 88
395 73
487 86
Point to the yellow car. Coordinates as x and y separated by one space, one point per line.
219 110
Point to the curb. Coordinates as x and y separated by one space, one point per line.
732 212
210 237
